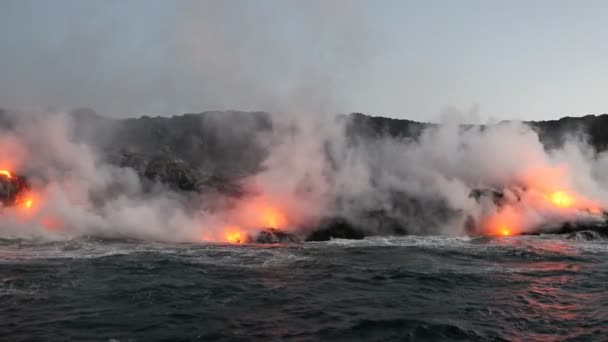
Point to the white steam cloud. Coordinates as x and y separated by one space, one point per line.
314 169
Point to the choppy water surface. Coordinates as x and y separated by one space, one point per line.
409 288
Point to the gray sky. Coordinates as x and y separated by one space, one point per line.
406 59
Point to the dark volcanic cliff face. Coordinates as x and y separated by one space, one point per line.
361 125
190 152
213 150
552 133
592 127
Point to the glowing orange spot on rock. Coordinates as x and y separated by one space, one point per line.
260 213
233 234
562 199
6 174
273 218
28 203
506 222
250 217
27 200
234 237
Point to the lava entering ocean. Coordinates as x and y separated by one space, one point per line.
532 210
15 191
246 220
17 195
234 235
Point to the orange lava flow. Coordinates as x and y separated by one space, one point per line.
234 236
26 201
27 205
501 229
272 217
6 174
566 200
260 213
512 218
505 222
246 220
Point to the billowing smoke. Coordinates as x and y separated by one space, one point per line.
312 167
78 194
434 182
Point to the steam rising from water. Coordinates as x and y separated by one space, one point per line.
314 168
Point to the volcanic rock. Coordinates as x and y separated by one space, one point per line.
584 231
272 235
495 195
588 235
11 189
577 230
337 228
173 172
227 145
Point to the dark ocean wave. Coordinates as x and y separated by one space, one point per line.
408 288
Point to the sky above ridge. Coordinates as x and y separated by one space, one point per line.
421 60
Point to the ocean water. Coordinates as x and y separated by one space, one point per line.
379 289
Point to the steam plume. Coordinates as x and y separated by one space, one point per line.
315 166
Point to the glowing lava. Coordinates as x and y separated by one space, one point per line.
522 215
234 237
260 213
26 201
272 217
566 200
6 174
233 234
506 221
246 220
562 199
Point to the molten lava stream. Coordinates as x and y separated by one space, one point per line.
26 202
28 207
504 231
261 213
228 234
564 200
6 174
251 217
505 222
234 237
273 218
